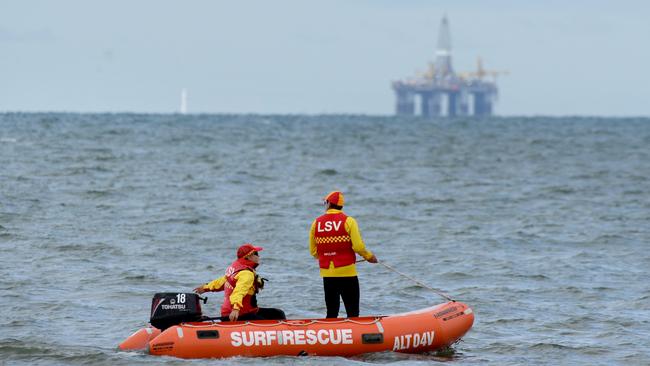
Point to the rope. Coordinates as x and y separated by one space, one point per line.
283 322
440 293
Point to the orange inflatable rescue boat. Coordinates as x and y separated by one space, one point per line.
186 335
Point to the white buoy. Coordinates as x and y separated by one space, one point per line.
183 101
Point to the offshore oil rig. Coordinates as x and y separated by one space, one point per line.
440 91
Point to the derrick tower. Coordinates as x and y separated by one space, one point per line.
443 52
440 91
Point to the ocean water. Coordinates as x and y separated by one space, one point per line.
541 225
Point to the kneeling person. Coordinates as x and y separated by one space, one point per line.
240 285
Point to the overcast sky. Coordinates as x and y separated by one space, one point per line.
338 56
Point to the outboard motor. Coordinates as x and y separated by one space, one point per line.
172 308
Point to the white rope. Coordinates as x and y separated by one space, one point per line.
286 322
416 281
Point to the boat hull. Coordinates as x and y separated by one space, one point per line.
418 331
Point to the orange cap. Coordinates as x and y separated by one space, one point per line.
247 249
335 198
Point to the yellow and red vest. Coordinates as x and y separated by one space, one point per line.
333 243
249 302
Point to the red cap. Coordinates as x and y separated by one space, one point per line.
247 249
335 198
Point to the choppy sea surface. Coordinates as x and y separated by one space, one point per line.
541 225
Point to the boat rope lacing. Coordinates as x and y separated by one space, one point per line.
438 292
285 322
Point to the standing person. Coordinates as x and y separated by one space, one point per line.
334 239
240 285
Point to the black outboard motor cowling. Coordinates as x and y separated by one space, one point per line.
172 308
